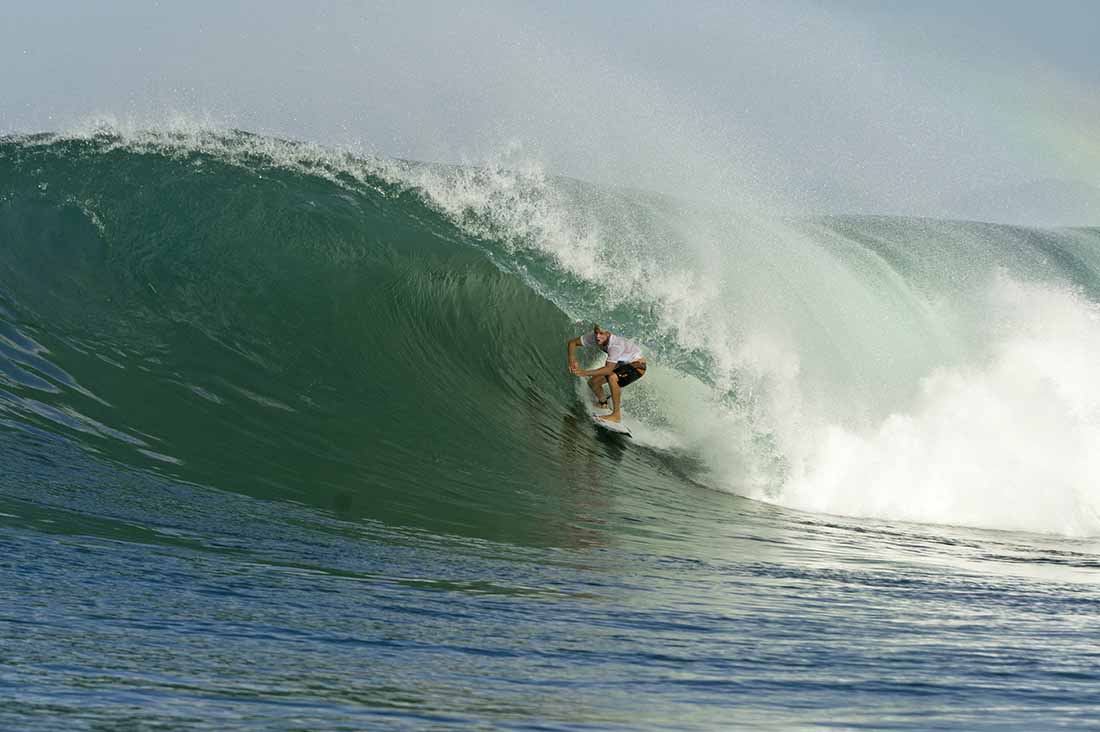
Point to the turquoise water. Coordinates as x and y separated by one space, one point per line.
288 442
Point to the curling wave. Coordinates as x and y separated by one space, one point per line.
301 324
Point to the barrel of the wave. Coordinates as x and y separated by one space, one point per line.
241 316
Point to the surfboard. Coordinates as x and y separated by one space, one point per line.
617 428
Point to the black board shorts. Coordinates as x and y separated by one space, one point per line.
629 372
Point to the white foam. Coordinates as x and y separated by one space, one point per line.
1008 442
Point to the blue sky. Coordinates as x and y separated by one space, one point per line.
844 105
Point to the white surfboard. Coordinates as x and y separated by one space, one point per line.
616 427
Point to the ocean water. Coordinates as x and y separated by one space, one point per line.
287 442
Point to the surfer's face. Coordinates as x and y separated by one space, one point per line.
602 337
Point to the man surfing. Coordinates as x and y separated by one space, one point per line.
624 366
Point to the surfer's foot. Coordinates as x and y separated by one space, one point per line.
601 404
613 417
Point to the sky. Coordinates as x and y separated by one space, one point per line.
842 106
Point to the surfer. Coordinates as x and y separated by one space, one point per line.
624 366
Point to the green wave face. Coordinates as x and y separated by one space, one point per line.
281 333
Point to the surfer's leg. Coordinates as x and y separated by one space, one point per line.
596 385
616 398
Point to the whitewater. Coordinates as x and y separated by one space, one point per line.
288 441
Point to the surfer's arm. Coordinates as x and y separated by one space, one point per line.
604 370
572 346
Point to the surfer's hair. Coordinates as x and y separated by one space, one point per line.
596 328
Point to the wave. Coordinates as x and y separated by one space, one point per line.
386 337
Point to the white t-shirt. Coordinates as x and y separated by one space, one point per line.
618 348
